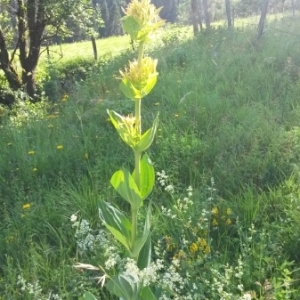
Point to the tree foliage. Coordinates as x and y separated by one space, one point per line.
111 11
26 24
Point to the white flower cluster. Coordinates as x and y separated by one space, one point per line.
167 277
35 290
147 275
246 296
162 177
86 238
164 182
170 188
229 279
113 257
182 205
239 269
168 212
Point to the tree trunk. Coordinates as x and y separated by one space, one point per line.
228 13
30 20
194 8
262 20
94 45
293 7
206 13
199 10
28 79
6 66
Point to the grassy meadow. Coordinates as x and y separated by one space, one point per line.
226 203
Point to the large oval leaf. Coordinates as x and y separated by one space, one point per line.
147 176
125 185
147 138
125 286
116 223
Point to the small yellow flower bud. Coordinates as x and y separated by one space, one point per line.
228 222
215 210
215 222
26 206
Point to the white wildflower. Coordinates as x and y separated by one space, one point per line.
170 189
73 218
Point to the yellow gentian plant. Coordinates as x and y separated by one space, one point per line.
141 20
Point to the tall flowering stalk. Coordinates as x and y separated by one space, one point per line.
138 79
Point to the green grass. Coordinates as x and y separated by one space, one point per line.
229 109
111 46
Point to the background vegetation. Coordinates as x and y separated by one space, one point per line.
229 108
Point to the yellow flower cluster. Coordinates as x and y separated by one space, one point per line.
65 98
180 255
139 76
170 246
146 15
200 245
223 217
214 211
203 245
194 248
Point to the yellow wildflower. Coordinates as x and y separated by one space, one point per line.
31 152
202 242
215 222
228 211
34 169
215 210
26 206
206 250
168 239
59 147
65 98
180 255
170 247
228 222
193 248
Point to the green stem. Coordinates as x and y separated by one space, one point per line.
137 154
141 54
134 218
